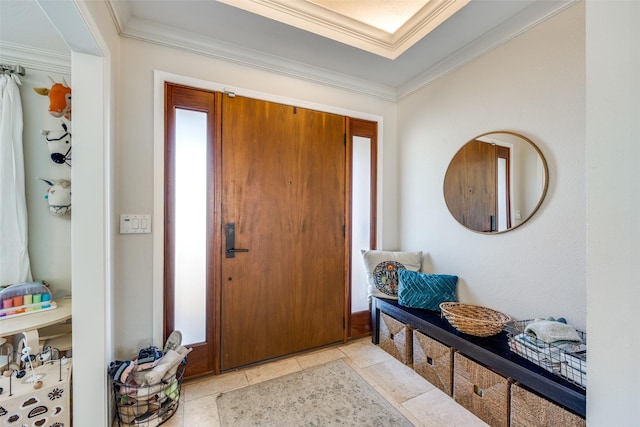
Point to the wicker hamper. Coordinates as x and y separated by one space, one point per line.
481 391
530 410
396 338
433 361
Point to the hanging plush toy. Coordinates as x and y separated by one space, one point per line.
59 144
59 196
59 98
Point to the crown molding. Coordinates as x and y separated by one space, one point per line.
323 21
36 59
140 29
524 21
120 13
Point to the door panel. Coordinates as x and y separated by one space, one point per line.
186 282
503 184
283 187
362 148
472 173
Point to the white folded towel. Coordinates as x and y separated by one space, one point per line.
551 331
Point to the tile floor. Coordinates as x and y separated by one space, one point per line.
419 401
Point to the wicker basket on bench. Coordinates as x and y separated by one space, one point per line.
474 319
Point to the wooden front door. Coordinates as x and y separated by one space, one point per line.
472 176
283 201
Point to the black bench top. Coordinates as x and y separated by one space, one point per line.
492 352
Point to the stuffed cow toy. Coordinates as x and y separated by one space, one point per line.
59 196
59 98
59 144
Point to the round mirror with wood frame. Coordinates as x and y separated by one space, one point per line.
496 182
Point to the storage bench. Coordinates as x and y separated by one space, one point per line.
492 352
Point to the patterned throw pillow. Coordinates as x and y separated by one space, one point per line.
382 269
427 291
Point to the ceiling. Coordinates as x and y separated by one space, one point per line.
345 51
382 27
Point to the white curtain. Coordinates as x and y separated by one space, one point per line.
14 255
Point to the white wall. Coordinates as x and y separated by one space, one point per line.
533 85
49 235
82 251
543 72
89 31
134 291
613 229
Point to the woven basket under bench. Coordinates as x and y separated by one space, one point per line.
530 410
481 391
396 338
433 361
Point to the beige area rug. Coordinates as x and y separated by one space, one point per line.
328 395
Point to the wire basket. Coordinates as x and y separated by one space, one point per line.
148 406
474 319
567 360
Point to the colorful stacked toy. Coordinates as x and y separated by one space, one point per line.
25 298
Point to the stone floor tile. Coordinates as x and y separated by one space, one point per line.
214 384
399 380
320 357
420 402
364 353
435 409
272 370
202 412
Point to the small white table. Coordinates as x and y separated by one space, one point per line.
27 322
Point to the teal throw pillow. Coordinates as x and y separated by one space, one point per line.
427 291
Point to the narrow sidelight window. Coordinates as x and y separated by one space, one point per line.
190 224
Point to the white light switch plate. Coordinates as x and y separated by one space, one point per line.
135 224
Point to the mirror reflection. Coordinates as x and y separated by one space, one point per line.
496 182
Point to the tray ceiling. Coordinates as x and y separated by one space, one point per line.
382 27
327 41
